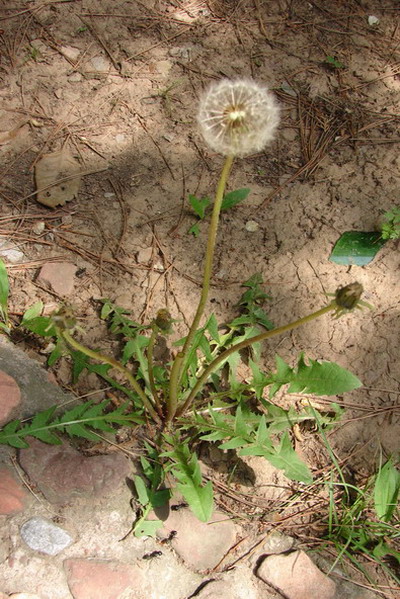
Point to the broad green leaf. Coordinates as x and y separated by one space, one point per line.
356 248
322 378
234 197
141 490
160 497
4 289
79 363
259 381
147 528
386 491
32 312
41 325
200 499
383 549
194 230
212 328
199 205
286 459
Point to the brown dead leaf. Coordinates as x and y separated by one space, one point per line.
58 177
6 136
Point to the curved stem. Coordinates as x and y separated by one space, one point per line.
243 344
150 361
179 361
115 364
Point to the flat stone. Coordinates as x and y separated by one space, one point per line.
296 576
144 256
36 391
59 276
238 583
70 52
201 545
75 78
62 473
44 536
13 495
10 396
100 64
95 579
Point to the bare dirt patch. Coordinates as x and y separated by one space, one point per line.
117 83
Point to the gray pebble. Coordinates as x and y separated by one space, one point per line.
44 536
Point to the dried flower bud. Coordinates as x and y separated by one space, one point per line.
238 117
347 298
164 321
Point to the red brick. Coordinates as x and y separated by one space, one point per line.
10 397
95 579
12 493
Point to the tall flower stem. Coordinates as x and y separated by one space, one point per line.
115 364
150 360
176 371
243 344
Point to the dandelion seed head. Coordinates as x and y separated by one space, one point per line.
238 117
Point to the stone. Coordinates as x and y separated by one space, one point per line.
75 78
238 583
144 256
70 52
10 397
100 64
44 536
36 391
201 545
59 276
13 495
277 543
62 473
296 576
10 252
94 579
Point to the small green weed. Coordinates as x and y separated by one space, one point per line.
391 224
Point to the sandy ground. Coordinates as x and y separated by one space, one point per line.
116 84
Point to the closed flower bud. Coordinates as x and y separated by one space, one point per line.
238 118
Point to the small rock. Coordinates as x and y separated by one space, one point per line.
109 194
59 93
120 138
100 64
296 576
372 21
144 256
235 584
10 396
62 473
67 219
277 543
12 493
59 276
44 536
75 77
92 579
252 226
39 227
201 545
10 252
70 52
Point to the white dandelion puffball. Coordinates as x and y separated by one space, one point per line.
238 117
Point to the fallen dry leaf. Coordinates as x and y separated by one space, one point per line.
58 177
6 136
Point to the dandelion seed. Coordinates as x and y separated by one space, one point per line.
238 117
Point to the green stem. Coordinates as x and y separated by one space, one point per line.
115 364
179 362
243 344
150 361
